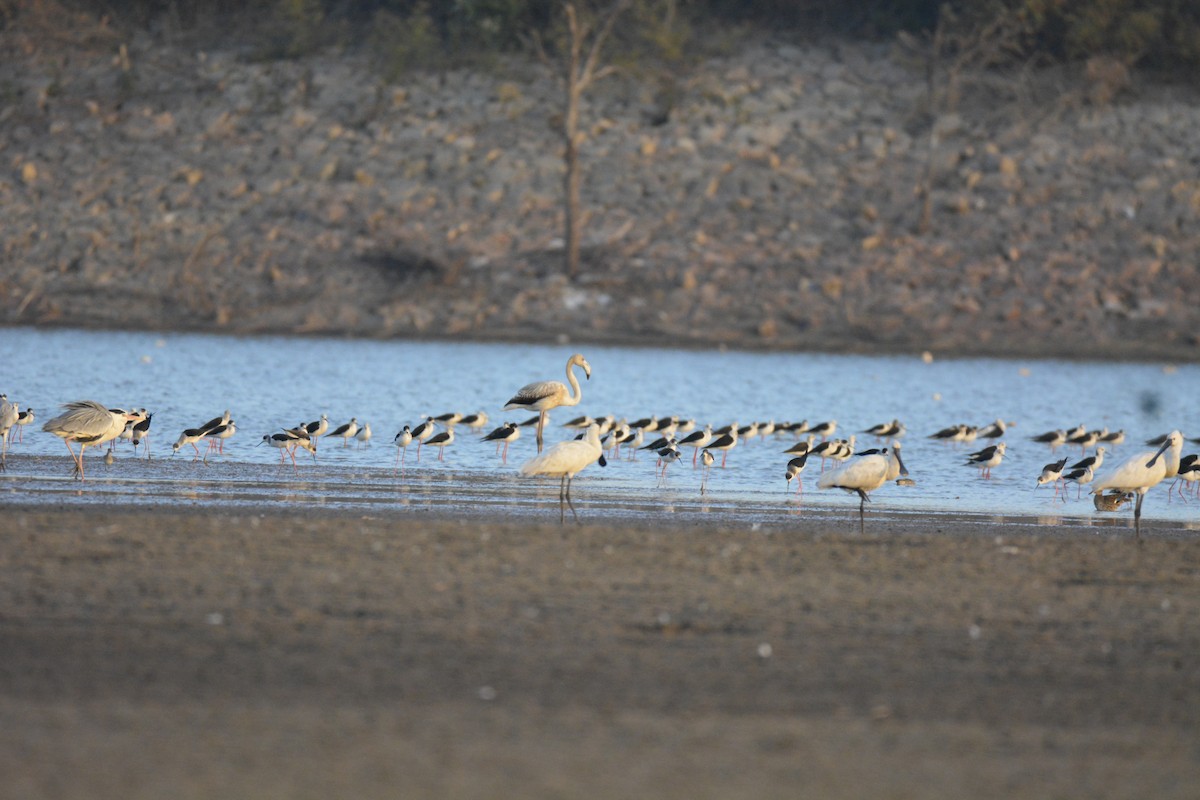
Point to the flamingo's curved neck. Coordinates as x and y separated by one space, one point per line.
576 393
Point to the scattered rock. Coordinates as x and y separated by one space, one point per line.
773 206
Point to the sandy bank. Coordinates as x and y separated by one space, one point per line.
283 655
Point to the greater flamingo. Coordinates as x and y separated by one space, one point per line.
545 395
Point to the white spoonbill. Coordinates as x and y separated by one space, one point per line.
566 460
864 474
90 424
9 414
1141 472
545 395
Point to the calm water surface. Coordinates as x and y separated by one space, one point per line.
274 382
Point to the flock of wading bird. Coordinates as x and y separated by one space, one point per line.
90 424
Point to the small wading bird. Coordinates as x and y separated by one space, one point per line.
402 440
475 421
422 432
545 395
363 437
288 441
88 423
993 431
504 435
566 460
303 440
697 440
794 468
666 457
885 430
725 443
801 448
1189 473
707 459
985 459
449 419
1053 438
216 437
1094 462
141 433
345 432
864 474
1051 473
441 441
1079 477
1111 501
191 436
1141 472
24 418
824 429
214 422
316 428
954 433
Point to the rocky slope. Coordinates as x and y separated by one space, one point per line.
771 203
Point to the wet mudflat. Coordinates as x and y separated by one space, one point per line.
198 653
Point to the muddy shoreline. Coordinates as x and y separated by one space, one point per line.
307 655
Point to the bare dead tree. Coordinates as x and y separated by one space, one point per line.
582 70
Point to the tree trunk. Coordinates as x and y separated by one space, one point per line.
571 179
581 72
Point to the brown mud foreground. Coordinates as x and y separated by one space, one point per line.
191 654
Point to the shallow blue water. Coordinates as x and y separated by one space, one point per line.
274 382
